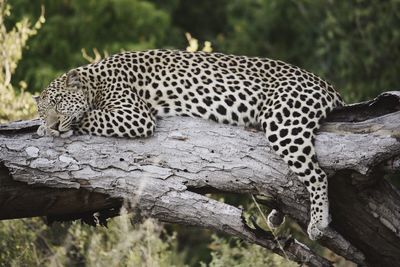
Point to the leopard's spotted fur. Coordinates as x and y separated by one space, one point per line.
122 95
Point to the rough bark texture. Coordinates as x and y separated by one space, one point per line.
163 177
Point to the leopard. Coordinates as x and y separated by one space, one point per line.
124 94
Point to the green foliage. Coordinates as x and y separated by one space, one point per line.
122 244
111 25
354 44
29 242
15 105
239 254
360 45
12 104
17 242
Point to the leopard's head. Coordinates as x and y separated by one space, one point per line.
63 102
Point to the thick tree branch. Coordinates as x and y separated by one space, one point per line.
162 176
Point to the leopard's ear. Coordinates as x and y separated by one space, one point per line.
73 80
36 98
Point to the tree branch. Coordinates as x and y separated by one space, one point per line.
162 177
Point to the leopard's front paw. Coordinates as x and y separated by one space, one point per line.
42 130
67 134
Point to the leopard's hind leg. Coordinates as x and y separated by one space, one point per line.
291 132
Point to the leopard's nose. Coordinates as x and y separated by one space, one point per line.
55 125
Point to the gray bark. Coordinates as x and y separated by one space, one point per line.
165 176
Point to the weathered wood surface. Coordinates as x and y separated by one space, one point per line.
163 177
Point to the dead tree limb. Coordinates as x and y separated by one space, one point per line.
163 177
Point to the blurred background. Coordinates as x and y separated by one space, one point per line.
353 44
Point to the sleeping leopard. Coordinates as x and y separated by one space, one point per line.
122 95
